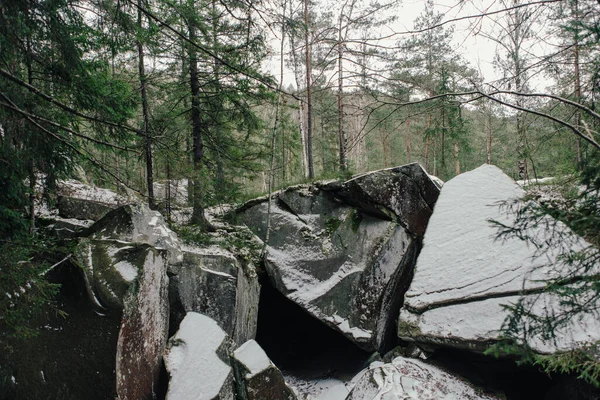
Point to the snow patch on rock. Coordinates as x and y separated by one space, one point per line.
410 379
196 371
253 357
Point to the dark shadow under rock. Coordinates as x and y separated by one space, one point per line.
515 382
72 358
299 344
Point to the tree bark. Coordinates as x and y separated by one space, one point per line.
456 160
145 112
309 155
340 100
577 87
198 216
408 141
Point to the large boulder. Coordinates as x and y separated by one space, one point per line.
110 267
144 328
464 275
81 201
257 377
213 282
197 360
411 379
138 223
347 264
124 258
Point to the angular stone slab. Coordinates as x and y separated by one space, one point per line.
257 377
464 275
81 201
211 281
341 264
197 360
144 330
404 193
411 379
138 223
110 267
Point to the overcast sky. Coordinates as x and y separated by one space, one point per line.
467 41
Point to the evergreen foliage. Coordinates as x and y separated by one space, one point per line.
576 285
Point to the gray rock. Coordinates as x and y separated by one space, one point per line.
110 267
144 329
257 377
464 276
406 194
69 207
64 228
81 201
197 360
410 379
344 265
137 223
211 281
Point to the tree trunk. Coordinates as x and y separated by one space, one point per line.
488 142
309 155
198 216
408 141
145 112
577 87
340 101
456 160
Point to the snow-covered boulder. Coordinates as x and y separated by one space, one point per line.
81 201
197 360
144 328
257 377
213 282
411 379
344 250
464 274
138 223
339 263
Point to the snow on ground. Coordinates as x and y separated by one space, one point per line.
325 388
318 389
537 181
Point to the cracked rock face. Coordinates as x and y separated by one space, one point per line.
464 275
144 329
412 379
138 223
346 262
211 281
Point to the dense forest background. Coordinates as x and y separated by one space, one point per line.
130 92
126 94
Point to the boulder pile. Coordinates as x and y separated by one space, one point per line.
386 258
